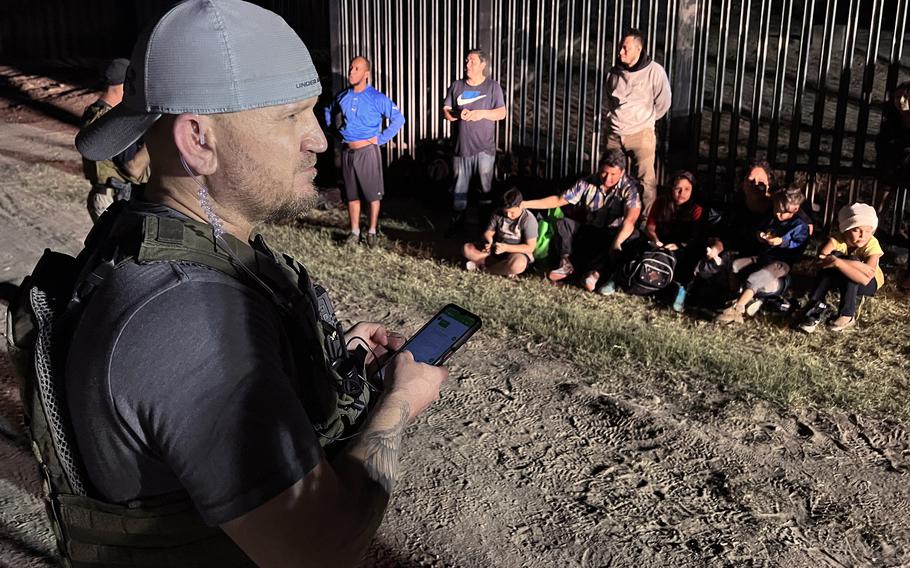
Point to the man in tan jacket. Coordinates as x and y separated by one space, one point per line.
638 95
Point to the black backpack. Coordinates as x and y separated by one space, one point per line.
651 271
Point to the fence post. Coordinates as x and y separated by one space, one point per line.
484 25
683 139
337 37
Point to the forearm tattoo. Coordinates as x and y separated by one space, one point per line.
381 450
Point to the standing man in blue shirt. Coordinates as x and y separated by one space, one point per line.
474 105
362 109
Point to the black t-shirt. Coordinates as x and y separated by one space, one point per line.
474 137
177 379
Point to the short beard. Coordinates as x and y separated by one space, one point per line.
292 209
242 175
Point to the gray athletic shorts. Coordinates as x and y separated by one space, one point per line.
362 173
769 278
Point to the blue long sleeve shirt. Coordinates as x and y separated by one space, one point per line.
362 114
795 235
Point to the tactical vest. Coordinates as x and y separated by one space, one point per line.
167 530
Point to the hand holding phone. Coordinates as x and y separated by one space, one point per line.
440 337
416 384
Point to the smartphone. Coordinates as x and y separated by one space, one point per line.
440 337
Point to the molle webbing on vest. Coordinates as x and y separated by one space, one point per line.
172 240
150 532
161 531
164 531
286 283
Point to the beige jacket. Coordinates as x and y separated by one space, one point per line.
636 99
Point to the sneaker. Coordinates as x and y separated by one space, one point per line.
608 288
679 302
813 317
842 323
564 271
372 239
471 266
778 305
353 239
808 326
733 314
590 281
753 306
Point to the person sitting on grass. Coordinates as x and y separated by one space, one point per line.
605 209
748 210
508 241
849 263
782 239
675 225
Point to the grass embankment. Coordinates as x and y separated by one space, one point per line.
865 369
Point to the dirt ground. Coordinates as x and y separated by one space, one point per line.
528 460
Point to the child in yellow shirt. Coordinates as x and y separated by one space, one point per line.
849 263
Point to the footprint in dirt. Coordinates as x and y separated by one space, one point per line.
609 410
804 431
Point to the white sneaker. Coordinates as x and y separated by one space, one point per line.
753 307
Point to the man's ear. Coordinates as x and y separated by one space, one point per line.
195 141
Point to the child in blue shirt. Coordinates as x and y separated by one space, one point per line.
782 238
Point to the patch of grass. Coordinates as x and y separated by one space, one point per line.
865 369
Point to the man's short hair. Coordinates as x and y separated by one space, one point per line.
366 62
481 54
636 34
788 198
613 158
512 198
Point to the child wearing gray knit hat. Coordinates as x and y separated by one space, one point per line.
849 264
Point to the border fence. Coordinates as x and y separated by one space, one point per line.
801 84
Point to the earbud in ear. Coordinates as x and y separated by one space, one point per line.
201 138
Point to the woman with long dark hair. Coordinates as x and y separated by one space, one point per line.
675 225
673 229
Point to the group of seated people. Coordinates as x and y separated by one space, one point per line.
595 232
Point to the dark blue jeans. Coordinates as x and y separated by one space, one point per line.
465 167
831 278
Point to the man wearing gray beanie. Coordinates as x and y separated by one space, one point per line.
210 410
